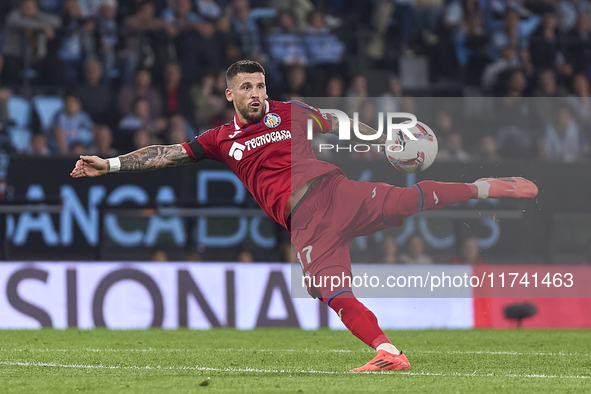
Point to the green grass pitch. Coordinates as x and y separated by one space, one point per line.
291 361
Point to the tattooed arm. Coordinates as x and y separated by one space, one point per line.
154 157
144 159
363 129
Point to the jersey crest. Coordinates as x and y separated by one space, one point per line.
272 119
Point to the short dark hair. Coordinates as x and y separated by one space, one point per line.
139 100
72 95
243 66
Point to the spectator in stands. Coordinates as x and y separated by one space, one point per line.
51 6
356 92
232 51
177 98
141 118
416 252
176 133
103 143
453 149
517 83
38 146
444 123
390 99
96 98
507 61
544 46
208 9
130 7
178 130
71 124
76 39
159 256
142 138
451 37
566 13
578 45
358 87
77 149
286 47
299 8
581 101
390 250
547 85
380 22
471 44
181 18
5 8
512 32
5 120
323 46
247 31
408 23
487 149
192 257
296 84
470 253
210 100
28 32
244 256
91 8
563 139
430 13
5 95
335 87
547 89
513 116
368 114
142 88
409 104
334 91
145 40
107 39
196 44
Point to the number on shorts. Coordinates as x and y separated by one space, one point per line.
308 251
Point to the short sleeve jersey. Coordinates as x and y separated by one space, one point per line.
273 157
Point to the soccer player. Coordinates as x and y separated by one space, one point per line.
266 147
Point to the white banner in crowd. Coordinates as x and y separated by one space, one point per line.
194 295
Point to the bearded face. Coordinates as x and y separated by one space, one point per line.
248 92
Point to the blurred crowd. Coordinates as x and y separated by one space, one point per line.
469 252
130 73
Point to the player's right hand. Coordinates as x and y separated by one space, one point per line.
90 166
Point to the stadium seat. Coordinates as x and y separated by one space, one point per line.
414 72
263 13
265 18
19 111
86 137
20 138
46 108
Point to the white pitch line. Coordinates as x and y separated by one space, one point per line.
304 350
291 371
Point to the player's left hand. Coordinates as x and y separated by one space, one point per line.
90 166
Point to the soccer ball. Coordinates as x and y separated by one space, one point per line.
409 155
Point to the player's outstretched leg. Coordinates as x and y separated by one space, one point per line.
364 325
426 195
